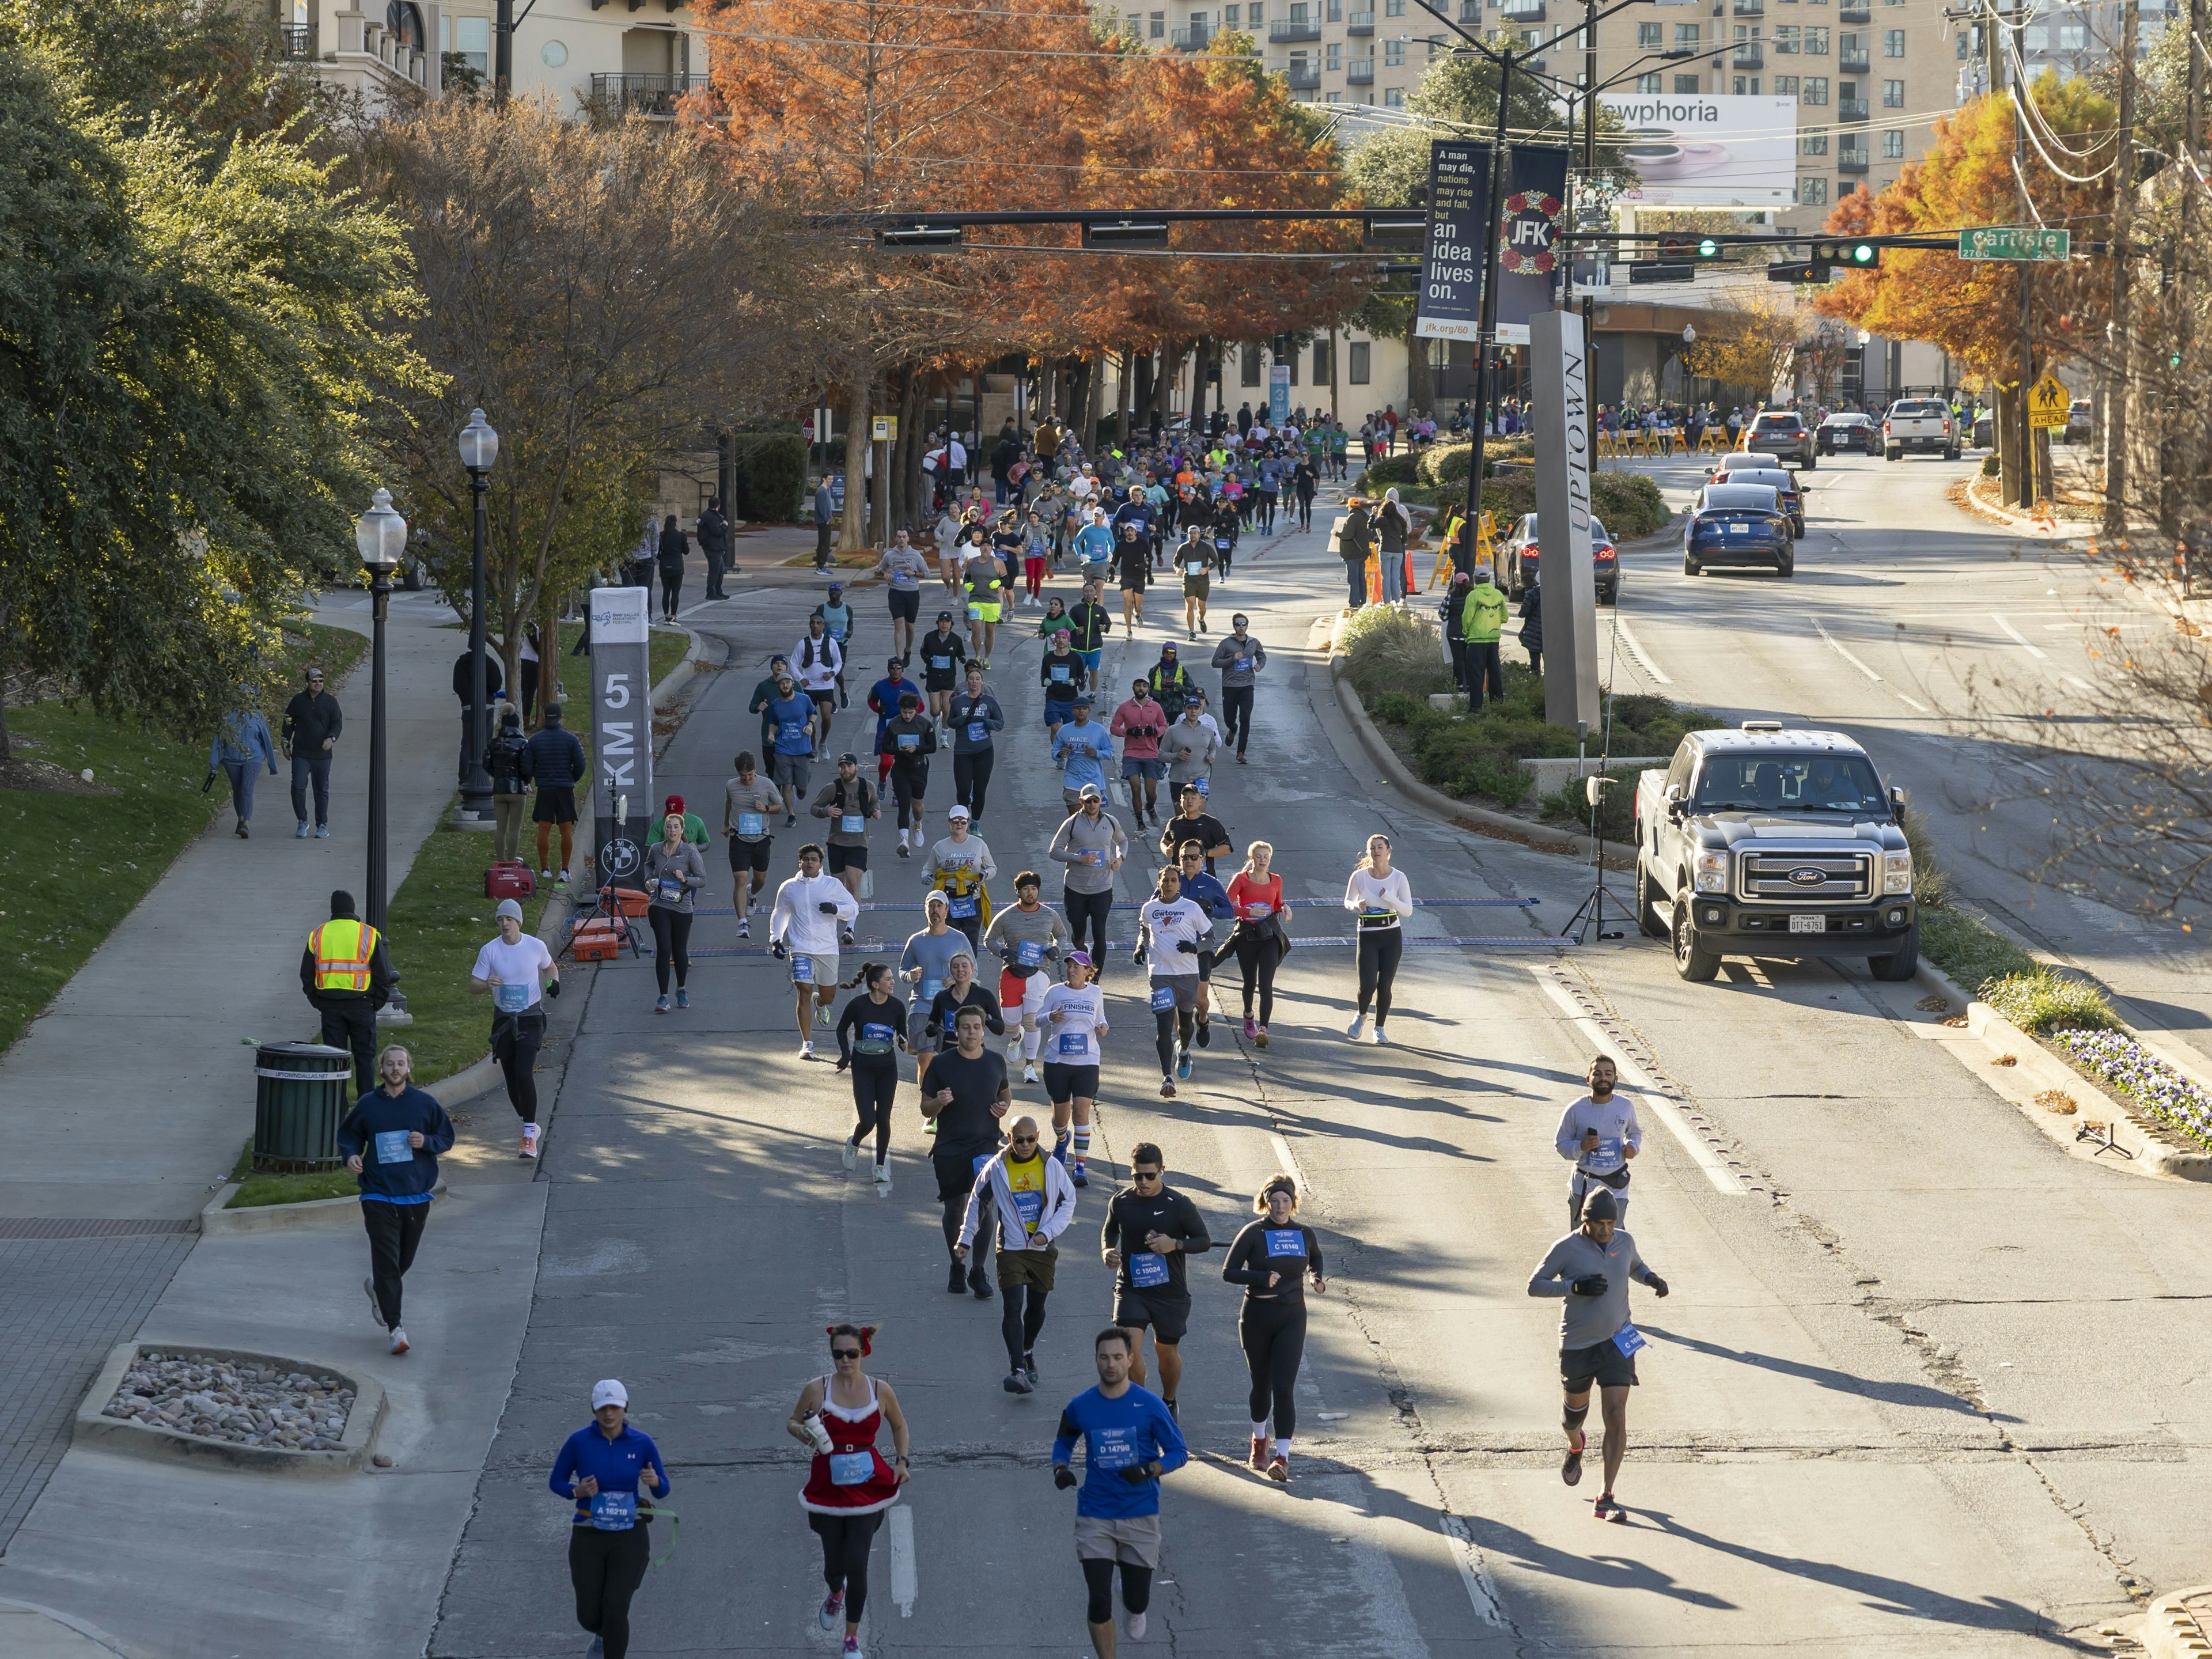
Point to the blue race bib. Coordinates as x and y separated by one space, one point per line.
940 663
908 741
802 970
1195 568
1628 1339
751 823
1607 1159
791 732
669 890
850 823
950 1015
962 908
511 997
979 730
614 1511
976 1166
852 1469
1059 673
1162 996
1030 1207
392 1147
1028 953
930 987
1243 665
1284 1240
1075 1044
1148 1269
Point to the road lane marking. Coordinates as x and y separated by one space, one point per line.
1922 707
1635 650
1467 1556
1724 1179
1290 1165
905 1582
2018 638
1835 646
2078 684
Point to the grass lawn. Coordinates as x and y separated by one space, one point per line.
256 1190
667 646
53 913
1967 950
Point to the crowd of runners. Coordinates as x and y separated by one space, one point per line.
1002 989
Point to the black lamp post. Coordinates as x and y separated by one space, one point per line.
379 535
479 447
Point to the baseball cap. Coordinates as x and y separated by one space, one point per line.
1082 957
509 908
1082 699
314 673
609 1393
1089 791
849 758
957 812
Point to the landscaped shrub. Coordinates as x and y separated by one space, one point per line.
1629 503
1392 470
1616 812
1388 649
2149 1082
2043 999
768 469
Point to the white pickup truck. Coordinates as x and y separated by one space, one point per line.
1773 842
1922 424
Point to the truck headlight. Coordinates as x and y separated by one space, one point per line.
1896 873
1710 872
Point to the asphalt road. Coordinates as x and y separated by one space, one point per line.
1925 1384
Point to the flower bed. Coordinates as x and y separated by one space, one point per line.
2147 1081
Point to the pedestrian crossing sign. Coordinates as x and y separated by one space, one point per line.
2049 402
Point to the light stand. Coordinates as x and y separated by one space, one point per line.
479 447
1590 914
381 537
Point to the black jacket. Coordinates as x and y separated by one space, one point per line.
713 531
309 718
1359 537
1532 619
506 757
493 678
1454 611
556 758
675 547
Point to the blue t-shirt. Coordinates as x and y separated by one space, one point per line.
616 1464
1076 767
1119 1434
1094 543
786 720
886 692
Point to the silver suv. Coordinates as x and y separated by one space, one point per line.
1783 434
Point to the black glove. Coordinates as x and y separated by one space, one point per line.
552 988
775 949
1137 1473
1063 1477
1658 1285
828 907
1594 1284
1137 956
1188 947
1052 953
842 1062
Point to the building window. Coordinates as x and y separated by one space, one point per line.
1336 11
1747 86
1892 94
1960 38
1816 42
1332 98
1814 141
1816 89
2035 38
1334 56
1394 54
1159 24
1685 37
1649 83
1650 36
1813 192
1785 38
1233 17
1248 359
1393 98
1252 15
1685 84
1892 43
1786 86
1393 8
1893 147
473 41
2073 37
1321 368
1357 360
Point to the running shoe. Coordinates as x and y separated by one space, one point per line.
1262 1038
1570 1468
957 1280
322 832
1278 1468
660 1006
1358 1026
846 938
1205 1033
1030 1371
745 926
979 1283
821 1014
1183 1063
851 1648
833 1610
790 818
1190 635
1030 1072
1604 1510
904 851
850 1155
303 832
375 1307
1076 1175
683 998
1241 761
529 1141
1014 1382
883 1180
1381 1037
1251 1030
806 1050
597 1650
1167 1088
400 1343
1258 1458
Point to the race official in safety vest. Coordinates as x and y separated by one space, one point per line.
347 974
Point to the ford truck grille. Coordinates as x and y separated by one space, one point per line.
1825 877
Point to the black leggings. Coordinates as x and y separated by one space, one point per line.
606 1567
1092 908
1305 512
1257 954
1018 1325
514 1040
1168 1024
1379 950
909 782
955 1211
672 592
1273 1337
875 1082
1098 1579
1236 716
845 1541
672 942
971 777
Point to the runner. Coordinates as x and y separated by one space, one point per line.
1133 567
1381 898
961 990
1095 545
1009 542
1081 749
849 1487
869 1034
749 800
1172 686
927 962
984 580
1590 1268
838 622
391 1140
819 665
1192 822
1598 1133
1159 1227
1130 1440
883 702
601 1469
1199 887
1261 937
792 718
904 565
764 693
1060 672
1227 525
1091 623
510 970
1188 746
942 653
848 801
1170 931
810 909
961 866
973 716
1272 1258
967 1096
1305 484
1074 1019
907 741
1239 659
674 872
1091 844
1035 1201
1138 723
1026 937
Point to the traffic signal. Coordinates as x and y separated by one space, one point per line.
1796 271
1852 256
1688 247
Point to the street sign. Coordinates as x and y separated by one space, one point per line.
2049 402
883 429
2015 242
821 425
1279 394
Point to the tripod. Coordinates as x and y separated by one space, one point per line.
1590 913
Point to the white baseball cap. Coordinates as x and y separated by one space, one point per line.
509 908
957 812
609 1393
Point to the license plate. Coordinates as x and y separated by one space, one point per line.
1809 924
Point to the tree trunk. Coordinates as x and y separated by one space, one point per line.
2004 418
1094 403
550 654
911 481
880 495
852 532
1332 371
1048 389
1419 383
1128 400
1147 385
1079 397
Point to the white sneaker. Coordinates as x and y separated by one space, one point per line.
1357 1026
1380 1039
852 1155
398 1340
1030 1072
745 926
1136 1627
883 1180
529 1141
807 1051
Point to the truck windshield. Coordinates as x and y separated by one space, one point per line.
1765 782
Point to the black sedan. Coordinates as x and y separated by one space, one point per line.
1522 553
1849 431
1738 524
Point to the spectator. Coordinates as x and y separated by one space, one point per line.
825 516
494 682
241 746
312 721
713 531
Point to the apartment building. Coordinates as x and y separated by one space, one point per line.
1334 52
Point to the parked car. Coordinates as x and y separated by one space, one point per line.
1785 488
1737 524
1848 431
1782 433
1522 552
2081 421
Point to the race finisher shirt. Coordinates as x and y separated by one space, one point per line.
1071 1020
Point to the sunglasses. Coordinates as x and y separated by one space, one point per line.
1025 1140
1144 1175
844 1354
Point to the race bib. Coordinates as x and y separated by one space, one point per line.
1243 665
1284 1240
791 732
1195 568
1094 856
1162 996
1148 1270
930 987
669 890
940 663
850 823
975 1164
1222 542
979 730
512 996
614 1511
1028 953
1074 1044
1030 1207
751 823
802 970
962 908
875 1039
1059 673
1607 1159
1628 1339
392 1147
908 741
852 1469
1201 786
1259 912
1112 1449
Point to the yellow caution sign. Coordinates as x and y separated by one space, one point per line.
2049 402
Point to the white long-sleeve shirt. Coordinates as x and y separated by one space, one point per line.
796 922
817 662
1366 892
1618 1130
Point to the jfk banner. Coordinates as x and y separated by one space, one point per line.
1528 255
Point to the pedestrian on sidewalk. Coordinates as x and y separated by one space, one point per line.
312 721
713 531
825 516
508 761
347 974
241 747
1482 623
556 765
390 1141
1353 543
675 546
1531 623
642 557
517 972
601 1468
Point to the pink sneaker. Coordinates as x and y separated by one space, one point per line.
1251 1029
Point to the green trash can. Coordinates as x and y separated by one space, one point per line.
301 1095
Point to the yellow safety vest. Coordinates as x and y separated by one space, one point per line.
343 948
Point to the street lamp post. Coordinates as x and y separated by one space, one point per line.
479 447
379 535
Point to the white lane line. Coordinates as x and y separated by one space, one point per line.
1901 697
905 1582
1836 647
2018 638
1724 1180
1481 1594
2078 684
1290 1165
1635 650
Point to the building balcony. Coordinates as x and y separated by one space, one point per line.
296 42
368 58
1750 8
1851 161
655 96
1279 34
1191 39
1470 11
1853 109
1854 62
1855 14
1359 22
1749 56
1304 77
1522 11
1360 72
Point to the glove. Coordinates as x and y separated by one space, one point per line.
1594 1284
1063 1477
1137 956
1188 947
552 988
842 1063
1052 953
1658 1285
828 907
1137 1473
775 949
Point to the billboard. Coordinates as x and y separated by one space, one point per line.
1695 150
1449 307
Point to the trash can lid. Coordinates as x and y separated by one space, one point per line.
307 1051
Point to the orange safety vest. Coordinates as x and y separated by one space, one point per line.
343 948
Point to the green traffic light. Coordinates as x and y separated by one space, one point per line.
1863 253
1708 248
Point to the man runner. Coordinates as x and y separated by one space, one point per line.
1035 1201
748 802
809 909
1598 1133
966 1093
1130 1440
1026 937
1239 658
1149 1228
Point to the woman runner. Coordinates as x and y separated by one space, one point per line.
850 1485
1272 1259
869 1034
1379 897
1259 939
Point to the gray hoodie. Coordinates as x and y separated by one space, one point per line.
1229 653
1082 834
1586 1321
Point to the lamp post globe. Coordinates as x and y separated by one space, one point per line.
479 447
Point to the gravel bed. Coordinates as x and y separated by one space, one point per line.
247 1404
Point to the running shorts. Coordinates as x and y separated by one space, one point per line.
750 854
1197 587
906 604
956 1175
1168 1316
1064 1083
847 858
988 613
556 804
1018 995
1602 1361
1031 1267
825 966
1184 986
1134 1539
1090 660
1143 769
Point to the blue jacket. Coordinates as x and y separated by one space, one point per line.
556 758
243 736
1119 1434
616 1464
1207 893
407 1176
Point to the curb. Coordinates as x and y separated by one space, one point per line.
2175 1626
120 1434
216 1221
89 1638
680 675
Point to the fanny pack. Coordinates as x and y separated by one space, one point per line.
1617 1180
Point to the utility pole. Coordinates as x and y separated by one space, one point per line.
2180 489
502 58
2122 326
1590 167
2015 450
